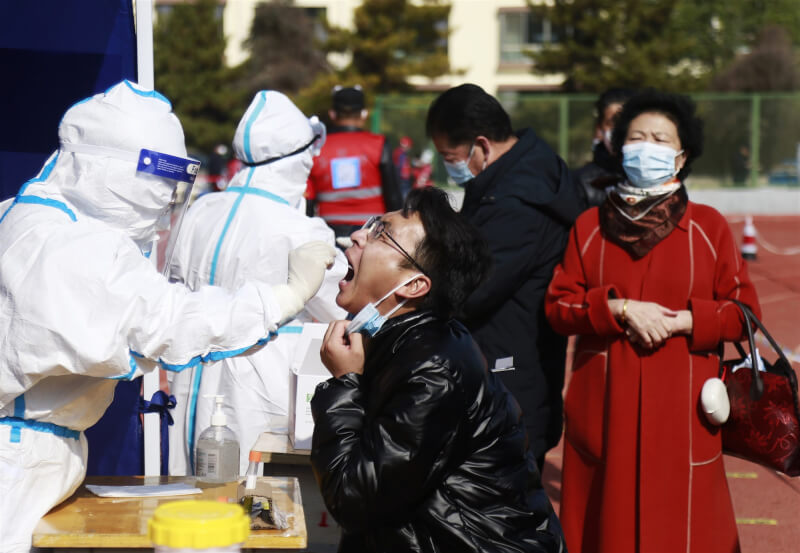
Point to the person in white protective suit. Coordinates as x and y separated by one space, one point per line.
81 306
226 238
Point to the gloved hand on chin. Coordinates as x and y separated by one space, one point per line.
307 264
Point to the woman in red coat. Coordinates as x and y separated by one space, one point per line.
645 284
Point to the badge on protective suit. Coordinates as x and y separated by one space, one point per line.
167 166
345 172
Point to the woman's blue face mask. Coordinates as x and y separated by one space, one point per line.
459 170
647 164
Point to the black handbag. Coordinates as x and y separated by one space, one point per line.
764 422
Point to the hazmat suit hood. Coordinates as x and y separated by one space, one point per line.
274 130
95 169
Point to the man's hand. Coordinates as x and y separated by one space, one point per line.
342 353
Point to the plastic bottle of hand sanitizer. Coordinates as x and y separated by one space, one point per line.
217 450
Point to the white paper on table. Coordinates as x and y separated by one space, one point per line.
143 491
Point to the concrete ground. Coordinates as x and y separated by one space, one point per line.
766 503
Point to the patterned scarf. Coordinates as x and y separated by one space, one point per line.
638 224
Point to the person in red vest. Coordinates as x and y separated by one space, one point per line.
402 161
353 178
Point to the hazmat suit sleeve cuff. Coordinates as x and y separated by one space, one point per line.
274 308
603 322
705 324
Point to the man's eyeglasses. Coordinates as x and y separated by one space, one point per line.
375 227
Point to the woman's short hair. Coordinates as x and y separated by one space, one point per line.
677 108
453 254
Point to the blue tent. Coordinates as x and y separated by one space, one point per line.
52 54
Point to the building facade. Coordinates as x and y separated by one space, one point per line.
486 44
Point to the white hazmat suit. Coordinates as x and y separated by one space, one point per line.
228 237
81 307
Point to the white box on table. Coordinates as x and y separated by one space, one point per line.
307 372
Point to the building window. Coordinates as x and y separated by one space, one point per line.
522 31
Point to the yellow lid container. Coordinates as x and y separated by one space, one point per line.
198 524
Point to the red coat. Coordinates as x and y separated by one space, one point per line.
642 468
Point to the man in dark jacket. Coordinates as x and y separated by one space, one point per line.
520 196
605 170
416 445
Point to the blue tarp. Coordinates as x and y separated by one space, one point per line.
52 54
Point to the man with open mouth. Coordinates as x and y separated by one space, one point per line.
416 445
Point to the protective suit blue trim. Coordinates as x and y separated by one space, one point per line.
192 414
257 192
145 93
3 216
19 413
209 357
43 174
19 406
48 202
197 378
290 330
132 365
17 424
262 100
231 215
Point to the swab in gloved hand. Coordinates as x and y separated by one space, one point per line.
307 265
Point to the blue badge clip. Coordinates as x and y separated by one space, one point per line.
167 166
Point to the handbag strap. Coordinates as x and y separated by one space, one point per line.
784 362
756 384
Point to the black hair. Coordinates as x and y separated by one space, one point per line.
610 96
452 253
465 112
677 108
347 101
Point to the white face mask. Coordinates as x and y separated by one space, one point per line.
369 320
647 164
607 140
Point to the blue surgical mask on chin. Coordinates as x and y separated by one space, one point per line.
647 164
459 170
369 320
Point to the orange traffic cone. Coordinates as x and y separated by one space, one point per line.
749 247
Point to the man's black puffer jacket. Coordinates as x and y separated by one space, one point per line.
426 451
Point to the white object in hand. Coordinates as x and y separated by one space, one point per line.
715 402
307 264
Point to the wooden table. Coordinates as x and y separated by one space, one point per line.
277 448
88 521
279 457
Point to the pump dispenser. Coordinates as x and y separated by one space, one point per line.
217 450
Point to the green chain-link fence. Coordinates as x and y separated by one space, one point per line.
750 139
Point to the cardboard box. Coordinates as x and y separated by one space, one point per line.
307 372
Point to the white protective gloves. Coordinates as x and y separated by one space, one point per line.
307 265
